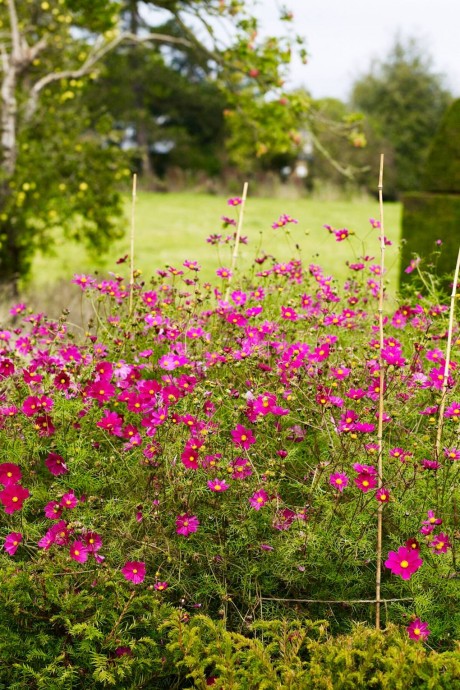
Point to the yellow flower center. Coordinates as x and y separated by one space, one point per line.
338 481
134 570
417 631
76 552
404 564
15 499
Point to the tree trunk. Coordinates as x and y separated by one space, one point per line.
8 121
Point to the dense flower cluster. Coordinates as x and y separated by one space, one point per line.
119 444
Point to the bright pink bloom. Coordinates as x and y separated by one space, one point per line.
364 469
404 562
242 437
452 453
234 201
284 519
93 541
241 468
79 552
13 496
160 586
53 510
453 411
365 482
9 474
69 500
339 480
382 495
187 524
258 499
218 485
12 541
134 571
111 422
418 630
56 465
440 543
224 273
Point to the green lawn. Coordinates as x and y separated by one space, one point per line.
174 227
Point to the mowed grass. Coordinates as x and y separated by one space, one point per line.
173 227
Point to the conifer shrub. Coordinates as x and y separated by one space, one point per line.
431 218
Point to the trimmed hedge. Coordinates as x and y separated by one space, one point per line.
442 168
434 214
426 219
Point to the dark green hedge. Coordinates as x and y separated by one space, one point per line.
426 219
442 168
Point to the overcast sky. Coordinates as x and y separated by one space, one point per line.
344 35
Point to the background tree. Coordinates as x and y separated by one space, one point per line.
59 158
404 100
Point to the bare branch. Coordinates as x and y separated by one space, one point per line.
15 35
346 172
95 56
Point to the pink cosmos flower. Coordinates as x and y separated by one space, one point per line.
430 464
12 541
284 519
364 469
134 571
224 273
241 468
9 474
234 201
79 552
160 586
452 453
258 499
382 495
56 465
186 524
93 541
341 235
412 265
418 630
440 543
69 500
53 510
190 458
13 497
432 519
218 485
365 482
111 422
453 411
339 480
242 437
404 562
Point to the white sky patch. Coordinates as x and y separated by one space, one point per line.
343 37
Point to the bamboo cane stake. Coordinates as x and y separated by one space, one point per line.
237 238
381 392
133 224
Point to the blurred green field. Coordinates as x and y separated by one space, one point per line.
173 227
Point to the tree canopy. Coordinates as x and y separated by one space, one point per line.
61 157
404 100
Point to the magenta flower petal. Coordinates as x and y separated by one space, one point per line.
134 571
